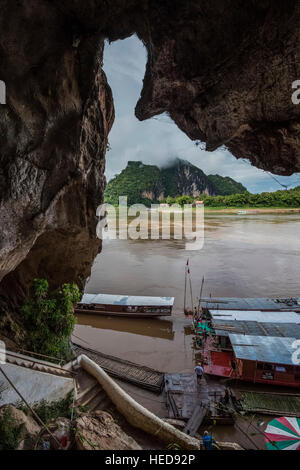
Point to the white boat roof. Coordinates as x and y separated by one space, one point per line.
130 300
263 348
255 315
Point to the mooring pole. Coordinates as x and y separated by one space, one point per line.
192 300
184 307
200 298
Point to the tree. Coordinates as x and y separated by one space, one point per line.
11 432
182 200
49 319
170 200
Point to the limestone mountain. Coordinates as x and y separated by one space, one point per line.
149 184
226 185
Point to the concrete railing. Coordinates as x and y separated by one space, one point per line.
33 363
136 414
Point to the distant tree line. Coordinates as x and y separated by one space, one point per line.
281 198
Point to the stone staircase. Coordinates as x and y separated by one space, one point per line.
90 394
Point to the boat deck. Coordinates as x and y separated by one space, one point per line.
125 305
184 394
120 314
136 374
195 402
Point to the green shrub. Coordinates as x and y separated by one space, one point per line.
10 433
50 411
49 319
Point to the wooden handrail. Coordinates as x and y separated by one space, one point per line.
41 355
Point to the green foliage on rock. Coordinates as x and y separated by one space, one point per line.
183 178
49 318
226 185
50 411
134 182
10 432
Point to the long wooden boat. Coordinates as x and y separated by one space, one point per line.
269 403
249 303
125 305
141 376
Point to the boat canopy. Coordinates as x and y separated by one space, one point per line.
272 349
251 303
255 315
223 328
129 300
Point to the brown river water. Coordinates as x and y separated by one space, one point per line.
255 255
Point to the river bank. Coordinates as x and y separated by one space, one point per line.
226 210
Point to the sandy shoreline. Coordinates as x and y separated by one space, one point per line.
236 210
254 210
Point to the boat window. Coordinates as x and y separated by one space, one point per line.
280 369
265 366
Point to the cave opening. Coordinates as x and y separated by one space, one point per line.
210 83
154 141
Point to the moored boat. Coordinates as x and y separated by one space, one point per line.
254 346
263 304
125 305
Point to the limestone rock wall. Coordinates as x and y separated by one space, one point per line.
53 135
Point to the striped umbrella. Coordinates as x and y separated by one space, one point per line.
283 434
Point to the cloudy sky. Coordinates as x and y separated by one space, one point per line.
158 140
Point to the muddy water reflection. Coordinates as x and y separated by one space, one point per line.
156 328
155 343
